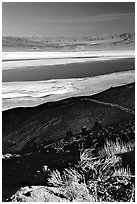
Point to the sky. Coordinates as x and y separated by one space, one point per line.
67 18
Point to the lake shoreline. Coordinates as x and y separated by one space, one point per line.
29 59
29 94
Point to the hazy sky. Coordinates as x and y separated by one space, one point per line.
67 19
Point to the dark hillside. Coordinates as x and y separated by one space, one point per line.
123 95
54 134
50 122
27 168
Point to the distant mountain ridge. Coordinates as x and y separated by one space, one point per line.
38 38
42 42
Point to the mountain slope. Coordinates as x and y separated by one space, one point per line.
123 96
51 121
53 134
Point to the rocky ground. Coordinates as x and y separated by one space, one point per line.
33 168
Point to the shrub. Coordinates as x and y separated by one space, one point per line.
115 148
99 176
71 186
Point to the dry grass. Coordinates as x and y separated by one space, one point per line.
123 172
70 185
115 148
98 176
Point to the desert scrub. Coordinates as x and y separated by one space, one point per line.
115 148
104 175
115 189
71 185
98 177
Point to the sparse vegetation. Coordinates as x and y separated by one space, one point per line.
115 148
91 160
99 177
88 167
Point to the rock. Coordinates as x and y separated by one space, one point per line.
38 194
7 156
85 130
69 134
97 126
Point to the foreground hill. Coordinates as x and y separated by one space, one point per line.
33 168
51 121
53 135
123 96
